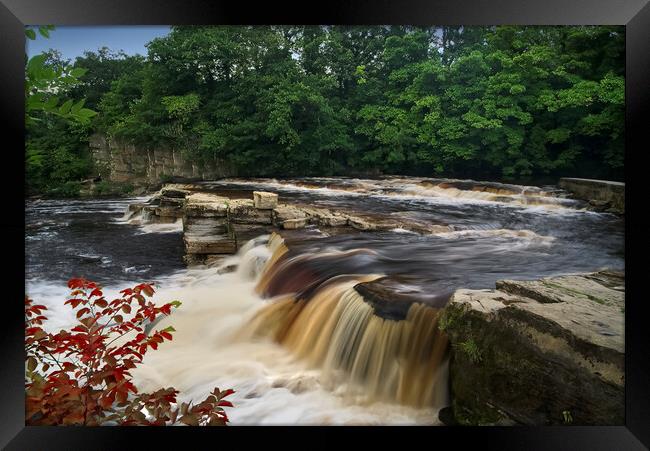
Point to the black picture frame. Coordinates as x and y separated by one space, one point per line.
634 14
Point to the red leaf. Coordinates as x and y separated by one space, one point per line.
81 312
228 392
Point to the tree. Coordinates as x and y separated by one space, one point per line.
508 102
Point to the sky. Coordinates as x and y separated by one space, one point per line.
72 41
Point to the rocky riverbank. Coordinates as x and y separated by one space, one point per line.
540 352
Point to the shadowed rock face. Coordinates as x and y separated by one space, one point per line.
549 351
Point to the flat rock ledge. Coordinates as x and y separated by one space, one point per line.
541 352
214 225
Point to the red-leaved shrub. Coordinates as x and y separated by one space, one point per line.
82 376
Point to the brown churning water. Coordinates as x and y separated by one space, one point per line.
327 323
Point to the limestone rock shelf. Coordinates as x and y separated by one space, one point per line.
215 225
548 351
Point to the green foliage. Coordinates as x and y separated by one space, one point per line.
48 81
102 188
57 157
490 102
471 349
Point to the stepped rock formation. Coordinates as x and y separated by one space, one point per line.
214 225
549 351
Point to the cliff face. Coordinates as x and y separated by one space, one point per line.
121 162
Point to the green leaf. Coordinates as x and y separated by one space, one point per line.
77 106
65 108
176 303
169 329
35 65
51 103
30 34
85 112
43 31
78 72
35 101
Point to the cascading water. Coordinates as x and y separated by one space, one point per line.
289 329
335 329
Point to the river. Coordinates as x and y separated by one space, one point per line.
502 231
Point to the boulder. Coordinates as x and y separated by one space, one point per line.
264 200
549 351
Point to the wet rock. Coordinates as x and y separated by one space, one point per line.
446 417
213 261
243 211
360 224
172 202
391 297
292 224
213 244
333 220
151 214
227 269
135 208
549 351
167 211
174 191
247 232
601 194
287 212
205 226
264 200
206 205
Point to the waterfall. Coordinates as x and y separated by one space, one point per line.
329 325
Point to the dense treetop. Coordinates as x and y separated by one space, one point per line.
492 102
